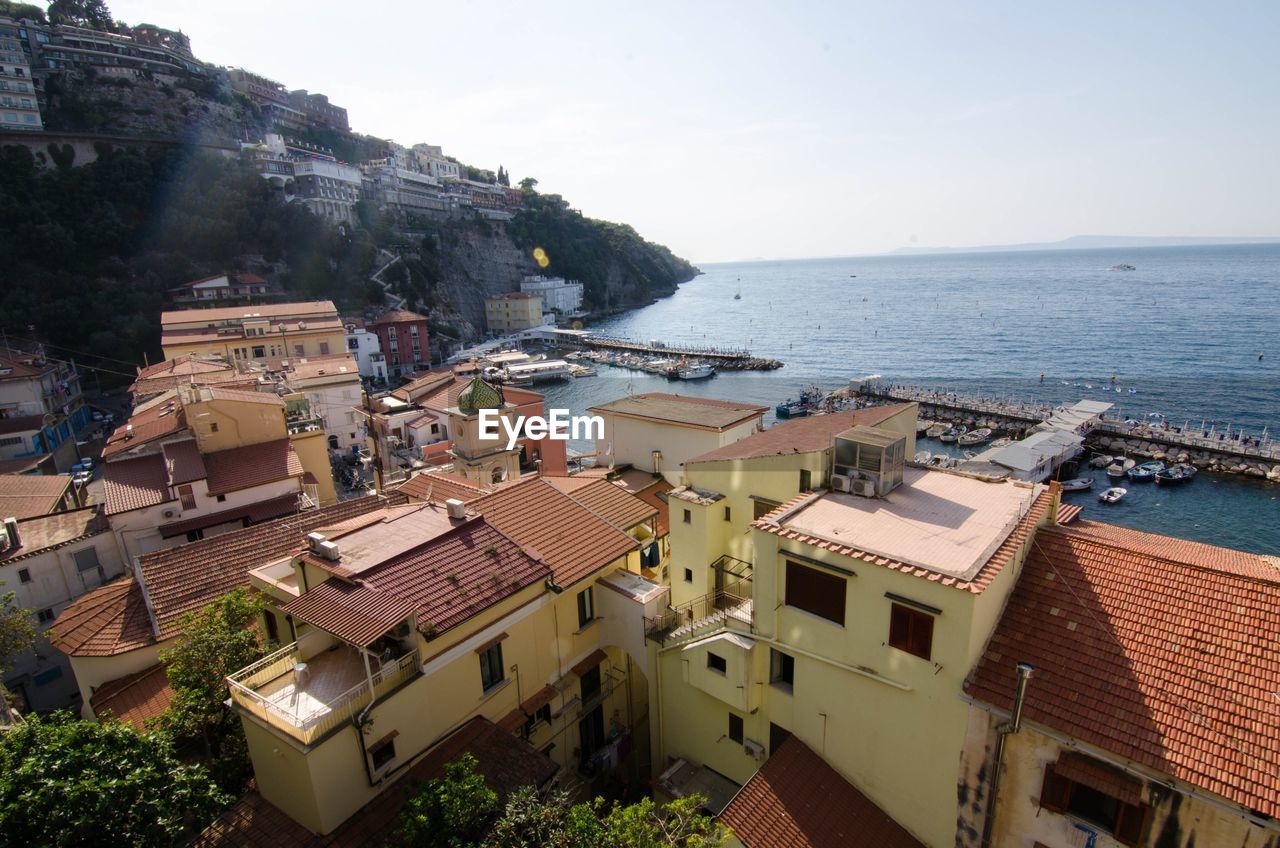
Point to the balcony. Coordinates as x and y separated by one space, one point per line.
306 695
279 579
729 606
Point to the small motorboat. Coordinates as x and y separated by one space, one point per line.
1113 495
696 372
1002 442
923 426
939 460
1175 475
1079 484
1123 266
1120 466
1145 472
808 403
936 430
923 457
1100 460
952 434
975 437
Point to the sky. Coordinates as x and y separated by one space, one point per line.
733 131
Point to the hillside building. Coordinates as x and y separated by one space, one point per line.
254 333
512 312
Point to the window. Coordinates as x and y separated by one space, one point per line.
1126 822
221 499
590 681
213 426
299 350
24 575
688 575
45 615
259 351
761 508
688 517
806 480
542 714
782 669
911 630
491 667
187 496
324 348
735 728
815 591
383 752
715 662
586 608
727 514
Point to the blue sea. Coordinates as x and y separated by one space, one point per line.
1195 331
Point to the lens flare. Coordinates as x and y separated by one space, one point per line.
540 256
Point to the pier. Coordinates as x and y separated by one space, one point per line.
738 359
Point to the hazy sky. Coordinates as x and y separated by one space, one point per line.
746 130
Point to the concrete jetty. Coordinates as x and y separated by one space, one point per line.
729 358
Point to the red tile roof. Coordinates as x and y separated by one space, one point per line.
162 416
190 576
443 485
801 435
47 532
572 539
702 413
136 483
110 620
252 465
606 499
29 495
353 612
1168 661
654 495
135 698
505 761
796 800
241 396
174 372
395 316
184 462
1016 541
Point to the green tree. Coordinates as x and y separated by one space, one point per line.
528 184
69 782
503 177
17 633
216 641
452 811
18 11
88 13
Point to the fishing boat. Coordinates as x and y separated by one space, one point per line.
1077 485
1145 472
939 460
953 434
696 372
805 405
1123 266
1100 460
923 457
936 430
1175 475
1113 495
581 371
975 437
1120 466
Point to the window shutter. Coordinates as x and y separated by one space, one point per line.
1054 791
1130 823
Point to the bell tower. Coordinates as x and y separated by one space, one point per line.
485 460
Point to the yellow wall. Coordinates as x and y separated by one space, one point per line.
505 315
633 440
275 346
313 449
92 672
239 423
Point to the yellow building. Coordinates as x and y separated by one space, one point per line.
851 628
254 333
512 312
659 432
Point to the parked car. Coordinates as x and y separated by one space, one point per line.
96 415
85 464
82 478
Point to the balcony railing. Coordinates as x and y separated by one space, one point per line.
710 608
276 692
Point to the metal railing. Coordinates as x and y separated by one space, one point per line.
709 608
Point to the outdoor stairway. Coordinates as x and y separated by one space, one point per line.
717 620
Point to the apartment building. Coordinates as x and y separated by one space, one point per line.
19 105
318 110
512 312
41 407
256 333
404 340
223 290
366 347
323 392
561 296
431 160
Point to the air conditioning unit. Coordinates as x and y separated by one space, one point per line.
841 482
170 513
752 748
864 488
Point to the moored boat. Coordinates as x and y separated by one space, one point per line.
953 433
807 404
1145 472
923 457
1077 485
1113 495
696 372
1119 466
939 460
975 437
1175 475
936 430
1100 460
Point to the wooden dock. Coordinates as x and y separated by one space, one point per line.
735 358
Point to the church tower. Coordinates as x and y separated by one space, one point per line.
486 461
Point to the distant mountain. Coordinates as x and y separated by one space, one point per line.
1094 242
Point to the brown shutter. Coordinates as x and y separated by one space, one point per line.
1054 791
815 591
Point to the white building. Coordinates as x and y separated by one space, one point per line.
19 109
431 160
333 391
563 297
363 344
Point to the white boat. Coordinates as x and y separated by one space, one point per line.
1113 495
923 426
1120 466
953 433
975 437
1077 485
1101 460
939 460
923 457
695 372
936 430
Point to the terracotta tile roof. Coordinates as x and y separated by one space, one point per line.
1007 551
173 372
235 313
21 464
457 575
1169 663
129 484
702 413
443 485
47 532
253 465
801 435
134 698
254 513
796 800
353 612
655 496
182 459
568 536
110 620
394 316
1181 550
505 761
190 576
1068 513
23 365
606 499
429 383
241 396
29 495
162 416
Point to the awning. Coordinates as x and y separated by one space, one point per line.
593 659
1085 770
539 699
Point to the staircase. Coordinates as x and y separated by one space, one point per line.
729 613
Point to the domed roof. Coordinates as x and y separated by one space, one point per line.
479 395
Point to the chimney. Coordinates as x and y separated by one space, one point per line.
457 509
11 531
